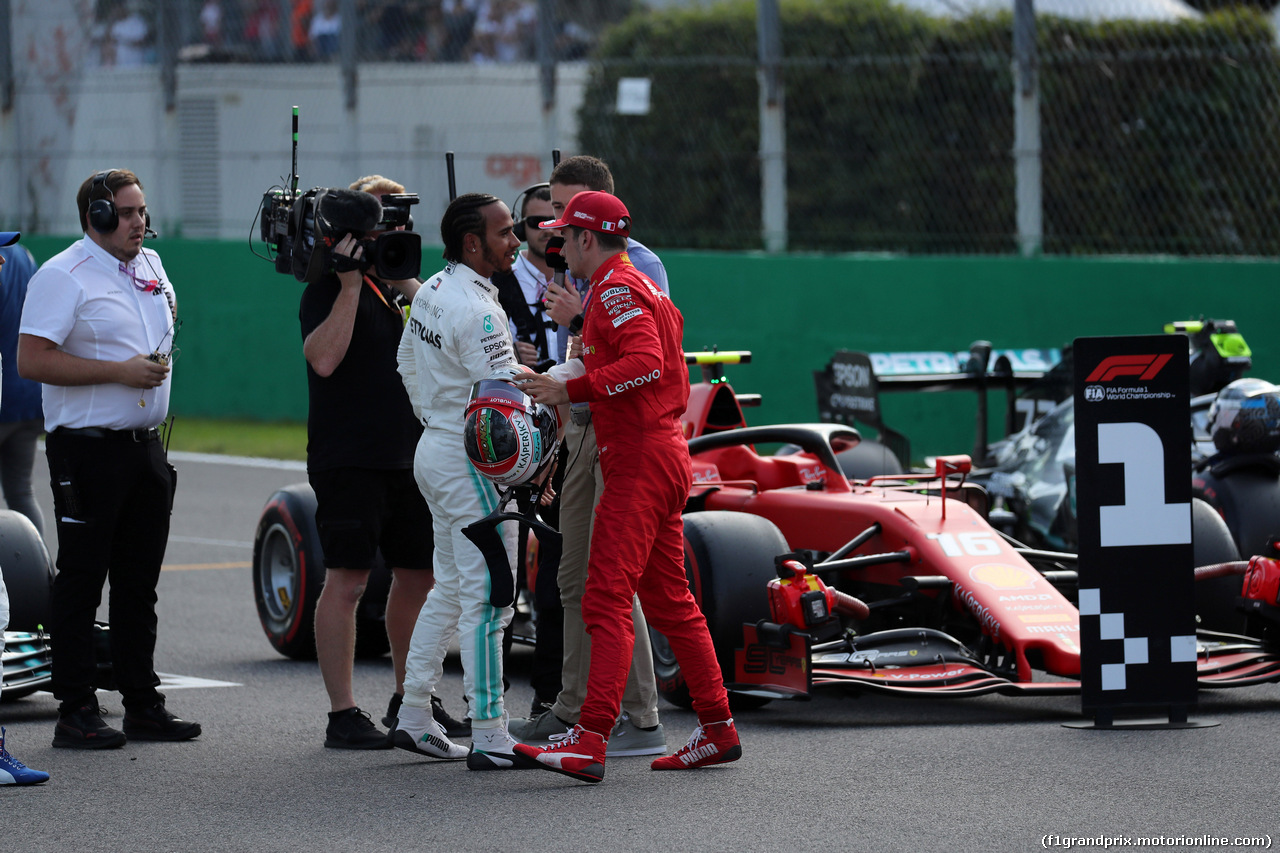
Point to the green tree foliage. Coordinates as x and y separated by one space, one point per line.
1157 137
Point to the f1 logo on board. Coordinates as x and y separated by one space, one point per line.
1142 366
1116 367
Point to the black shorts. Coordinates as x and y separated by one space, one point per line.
359 510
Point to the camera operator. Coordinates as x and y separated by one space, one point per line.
361 436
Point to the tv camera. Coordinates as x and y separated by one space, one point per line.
301 229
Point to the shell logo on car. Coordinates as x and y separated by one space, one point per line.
1001 576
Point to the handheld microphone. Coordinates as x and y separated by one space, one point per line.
555 258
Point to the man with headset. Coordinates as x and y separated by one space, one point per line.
522 288
97 330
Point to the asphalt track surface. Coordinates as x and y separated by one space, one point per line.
838 773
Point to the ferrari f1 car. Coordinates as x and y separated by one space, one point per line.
1030 474
897 583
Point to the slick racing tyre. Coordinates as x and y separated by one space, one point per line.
1212 543
1246 493
28 572
729 562
288 574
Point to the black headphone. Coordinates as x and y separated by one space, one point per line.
102 213
518 205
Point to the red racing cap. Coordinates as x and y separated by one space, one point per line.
594 211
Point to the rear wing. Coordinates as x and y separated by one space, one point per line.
848 388
713 405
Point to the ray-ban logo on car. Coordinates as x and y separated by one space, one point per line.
1142 366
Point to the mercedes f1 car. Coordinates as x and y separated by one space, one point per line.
898 583
28 577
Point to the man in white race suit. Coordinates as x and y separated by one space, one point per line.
457 335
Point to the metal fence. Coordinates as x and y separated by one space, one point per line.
920 126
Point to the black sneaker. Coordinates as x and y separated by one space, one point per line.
453 728
539 706
156 723
83 729
352 729
393 711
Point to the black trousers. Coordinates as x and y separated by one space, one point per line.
548 654
112 496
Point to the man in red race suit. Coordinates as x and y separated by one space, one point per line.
634 376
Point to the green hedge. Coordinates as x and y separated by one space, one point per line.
687 171
1156 136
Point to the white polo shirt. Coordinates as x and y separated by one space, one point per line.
80 300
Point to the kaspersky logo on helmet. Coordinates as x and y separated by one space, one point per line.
1113 378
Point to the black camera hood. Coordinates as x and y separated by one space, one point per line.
342 212
323 216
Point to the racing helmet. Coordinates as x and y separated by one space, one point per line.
509 438
1245 417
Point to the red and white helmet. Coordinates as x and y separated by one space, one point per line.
509 438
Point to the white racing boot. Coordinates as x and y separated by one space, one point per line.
494 749
417 731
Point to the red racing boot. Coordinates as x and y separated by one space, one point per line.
579 754
712 743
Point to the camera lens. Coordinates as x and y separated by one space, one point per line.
398 255
393 255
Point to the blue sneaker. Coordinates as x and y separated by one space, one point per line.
14 772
